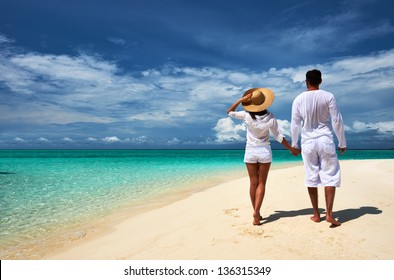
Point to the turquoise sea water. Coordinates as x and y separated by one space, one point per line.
53 196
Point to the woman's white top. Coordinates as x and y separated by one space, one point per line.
258 131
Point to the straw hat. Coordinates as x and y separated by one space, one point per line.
261 99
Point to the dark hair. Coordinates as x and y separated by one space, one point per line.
314 77
254 114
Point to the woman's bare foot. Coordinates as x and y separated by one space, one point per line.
333 222
316 219
256 220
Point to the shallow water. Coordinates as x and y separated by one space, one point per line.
53 196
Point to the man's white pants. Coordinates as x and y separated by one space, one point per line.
321 162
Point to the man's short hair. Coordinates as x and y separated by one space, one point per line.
314 77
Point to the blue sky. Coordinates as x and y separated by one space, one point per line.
161 74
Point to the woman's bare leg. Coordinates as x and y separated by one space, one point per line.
254 181
258 174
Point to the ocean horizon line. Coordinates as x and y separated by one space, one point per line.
163 149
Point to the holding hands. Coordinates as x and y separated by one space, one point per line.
341 150
295 151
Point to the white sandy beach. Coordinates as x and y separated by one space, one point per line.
217 223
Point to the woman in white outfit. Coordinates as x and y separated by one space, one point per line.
258 155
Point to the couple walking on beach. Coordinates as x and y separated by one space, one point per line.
316 112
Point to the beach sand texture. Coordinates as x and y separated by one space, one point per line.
217 223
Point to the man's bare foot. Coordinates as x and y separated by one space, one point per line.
316 219
334 222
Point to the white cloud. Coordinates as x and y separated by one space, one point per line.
173 141
68 140
89 89
117 41
363 64
111 139
62 90
346 26
138 140
167 116
65 68
228 131
19 140
284 126
381 127
355 77
5 39
46 114
43 140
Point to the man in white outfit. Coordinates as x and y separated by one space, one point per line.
316 112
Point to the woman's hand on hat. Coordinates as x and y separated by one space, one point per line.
247 97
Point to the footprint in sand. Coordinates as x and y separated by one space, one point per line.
232 212
254 232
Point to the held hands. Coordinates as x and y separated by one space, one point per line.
341 150
295 151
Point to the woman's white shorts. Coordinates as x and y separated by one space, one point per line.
262 154
321 163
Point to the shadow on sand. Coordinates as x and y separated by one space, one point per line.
353 214
343 215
